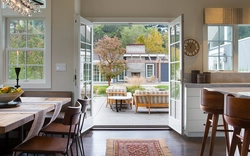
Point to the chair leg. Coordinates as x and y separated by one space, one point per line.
136 107
226 133
235 141
214 129
246 141
81 144
207 127
148 110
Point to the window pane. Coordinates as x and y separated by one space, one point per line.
96 73
35 41
16 58
36 26
220 48
243 48
35 57
34 72
17 41
18 26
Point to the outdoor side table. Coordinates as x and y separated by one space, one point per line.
116 98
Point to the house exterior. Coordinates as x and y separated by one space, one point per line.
140 64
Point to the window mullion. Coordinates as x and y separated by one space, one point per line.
235 48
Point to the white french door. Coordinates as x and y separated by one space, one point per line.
84 65
175 35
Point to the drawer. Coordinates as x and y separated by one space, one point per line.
192 92
196 114
193 102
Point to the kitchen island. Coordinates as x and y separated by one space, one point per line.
194 117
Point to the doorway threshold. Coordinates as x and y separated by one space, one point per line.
131 127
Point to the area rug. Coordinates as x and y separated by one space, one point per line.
137 147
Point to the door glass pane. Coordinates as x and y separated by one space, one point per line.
172 51
172 71
177 52
173 108
172 90
177 71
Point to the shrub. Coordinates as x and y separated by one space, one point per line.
162 87
135 81
100 89
133 88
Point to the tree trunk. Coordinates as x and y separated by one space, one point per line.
109 79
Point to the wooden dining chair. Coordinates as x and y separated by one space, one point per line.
237 115
62 130
53 145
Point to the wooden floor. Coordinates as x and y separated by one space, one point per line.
95 141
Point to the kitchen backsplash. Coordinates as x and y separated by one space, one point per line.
224 77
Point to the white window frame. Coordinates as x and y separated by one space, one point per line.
234 52
45 14
153 68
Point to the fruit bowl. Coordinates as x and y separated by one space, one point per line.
5 98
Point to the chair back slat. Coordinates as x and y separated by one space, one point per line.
84 104
72 114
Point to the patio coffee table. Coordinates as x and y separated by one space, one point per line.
116 98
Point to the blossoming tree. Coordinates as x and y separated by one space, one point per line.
110 53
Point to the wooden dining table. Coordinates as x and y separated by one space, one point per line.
30 109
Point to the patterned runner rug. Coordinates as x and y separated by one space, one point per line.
137 147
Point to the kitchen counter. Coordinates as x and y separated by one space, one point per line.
194 118
208 85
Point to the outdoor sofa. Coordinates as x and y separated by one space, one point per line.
152 98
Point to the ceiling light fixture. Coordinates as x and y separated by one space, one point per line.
24 7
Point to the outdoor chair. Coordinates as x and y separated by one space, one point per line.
115 91
151 79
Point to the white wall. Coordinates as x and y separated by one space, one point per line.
168 9
63 43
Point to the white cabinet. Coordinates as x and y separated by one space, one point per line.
194 117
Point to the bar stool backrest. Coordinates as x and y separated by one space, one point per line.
237 111
212 102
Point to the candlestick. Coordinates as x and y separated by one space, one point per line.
17 70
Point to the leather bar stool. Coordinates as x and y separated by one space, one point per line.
237 114
212 103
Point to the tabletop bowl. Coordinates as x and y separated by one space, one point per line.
4 98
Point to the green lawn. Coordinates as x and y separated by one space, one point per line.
101 89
